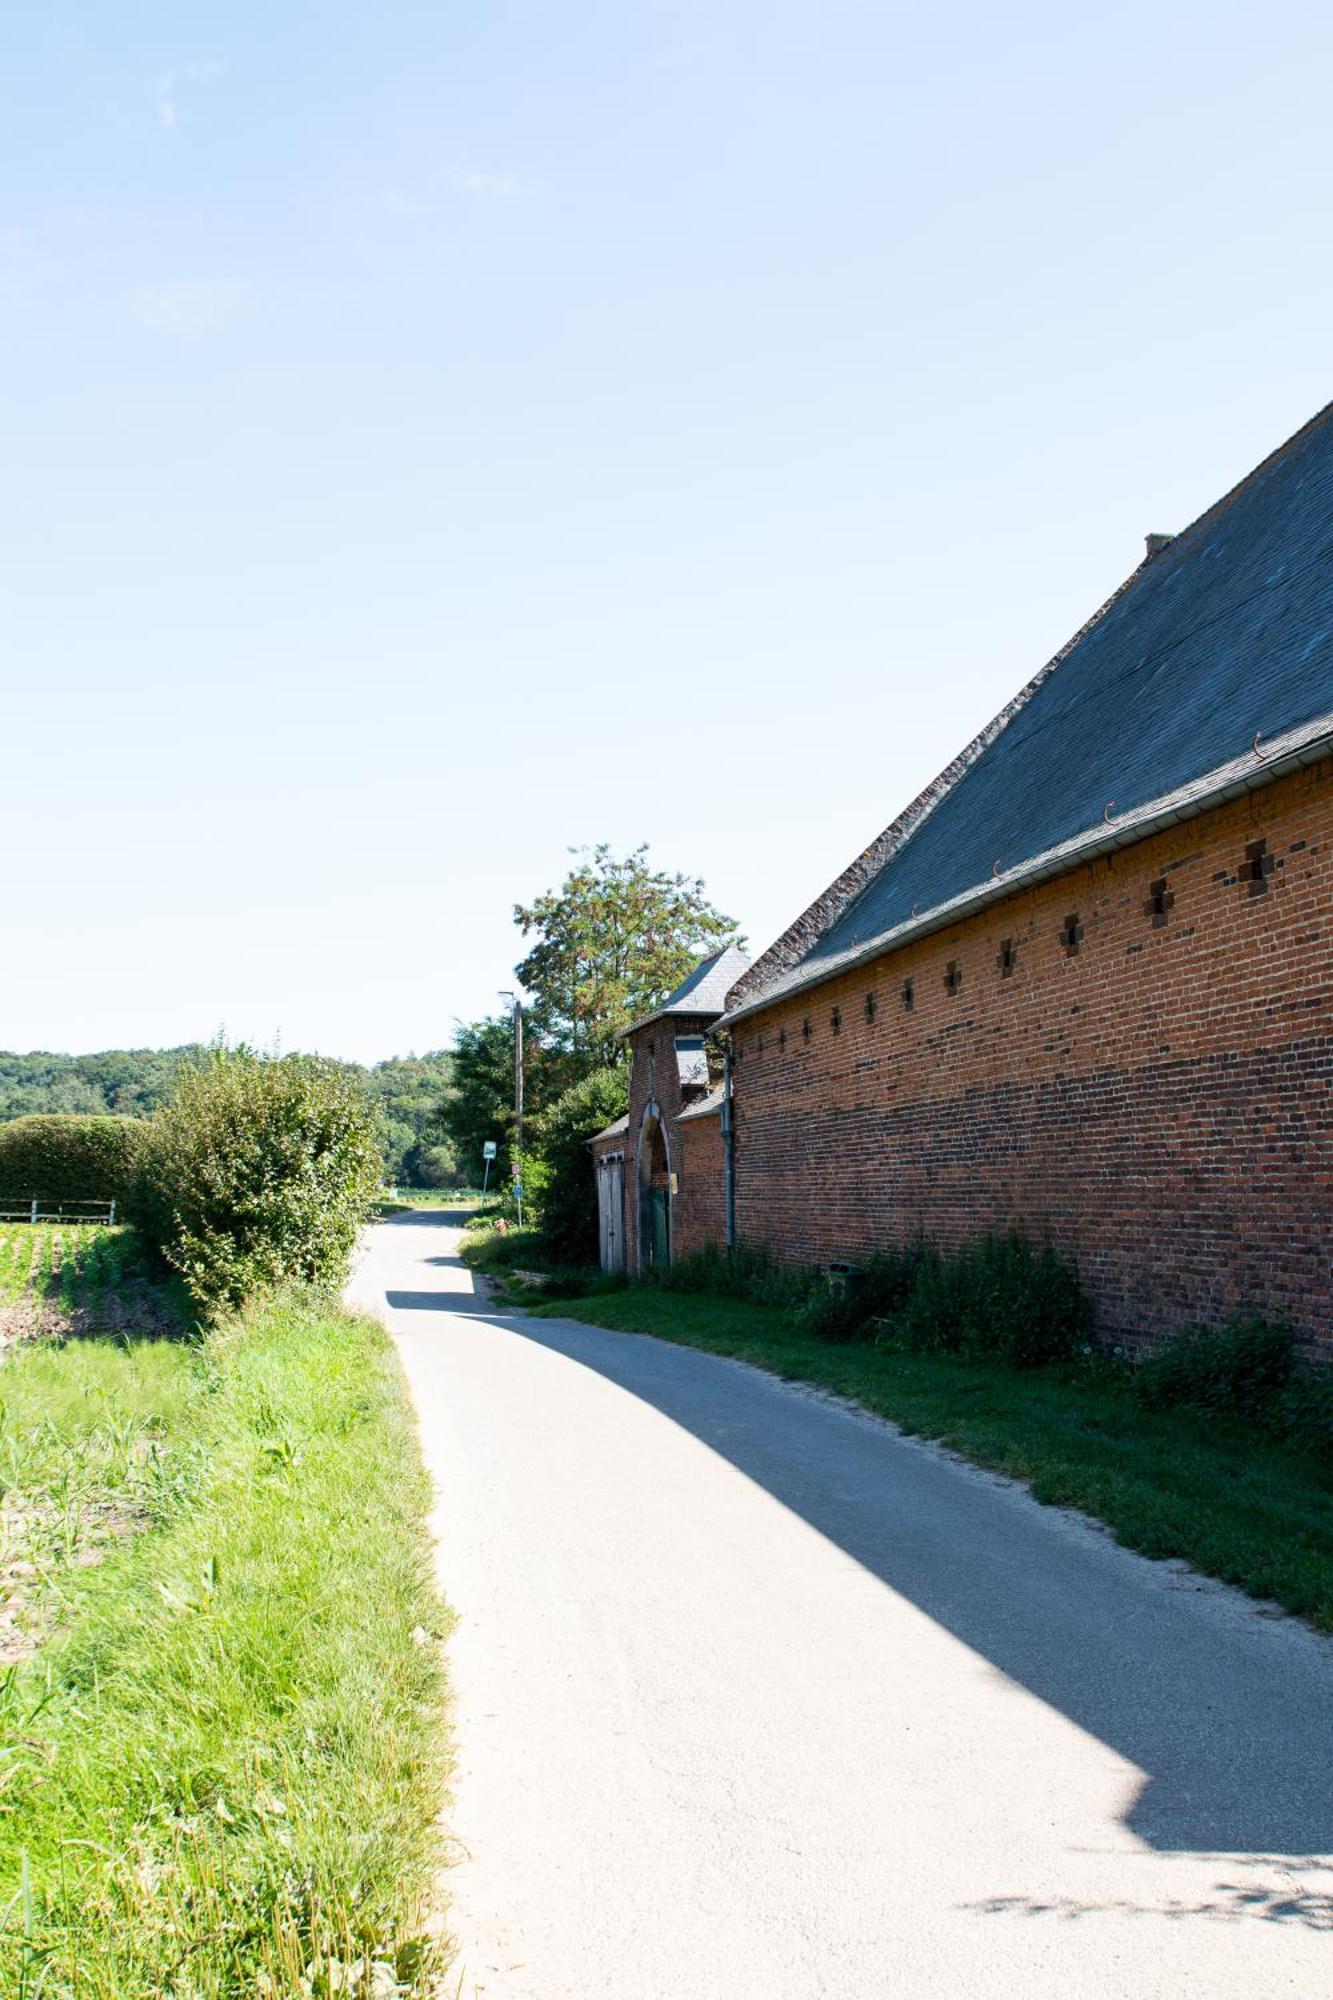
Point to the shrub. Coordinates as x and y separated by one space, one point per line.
70 1159
568 1186
738 1273
877 1290
260 1171
999 1297
1304 1414
1239 1369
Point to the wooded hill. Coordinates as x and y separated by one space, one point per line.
411 1092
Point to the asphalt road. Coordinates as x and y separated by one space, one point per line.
757 1700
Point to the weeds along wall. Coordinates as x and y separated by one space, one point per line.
1134 1060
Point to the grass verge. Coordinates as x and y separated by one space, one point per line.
1167 1482
223 1755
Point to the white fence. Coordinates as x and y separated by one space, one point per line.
34 1210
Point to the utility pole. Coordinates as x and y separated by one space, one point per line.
517 1006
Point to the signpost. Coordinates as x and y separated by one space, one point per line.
487 1154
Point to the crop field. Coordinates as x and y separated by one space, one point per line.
78 1278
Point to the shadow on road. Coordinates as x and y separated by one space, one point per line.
1229 1718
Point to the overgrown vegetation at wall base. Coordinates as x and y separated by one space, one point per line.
1246 1500
224 1756
259 1173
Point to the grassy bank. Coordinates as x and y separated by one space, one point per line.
222 1710
1168 1482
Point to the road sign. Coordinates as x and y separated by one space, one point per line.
488 1150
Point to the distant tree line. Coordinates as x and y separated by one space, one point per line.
410 1093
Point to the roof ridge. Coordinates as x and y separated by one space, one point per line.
800 937
791 947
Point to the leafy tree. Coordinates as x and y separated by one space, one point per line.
481 1104
561 1135
609 945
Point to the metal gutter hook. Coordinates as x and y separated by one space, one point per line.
996 870
1262 755
1108 817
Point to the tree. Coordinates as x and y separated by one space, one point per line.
561 1135
481 1105
610 943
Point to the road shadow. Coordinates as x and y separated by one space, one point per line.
1225 1709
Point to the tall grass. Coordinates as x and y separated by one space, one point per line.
223 1761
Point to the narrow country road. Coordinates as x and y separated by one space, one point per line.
758 1701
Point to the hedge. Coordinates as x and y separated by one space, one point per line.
60 1158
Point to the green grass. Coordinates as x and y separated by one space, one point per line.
221 1756
1168 1482
484 1249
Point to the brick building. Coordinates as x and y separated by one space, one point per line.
660 1169
1082 985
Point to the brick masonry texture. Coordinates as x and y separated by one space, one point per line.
694 1146
1157 1100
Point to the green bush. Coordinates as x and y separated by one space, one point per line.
1304 1413
1000 1297
1240 1369
70 1159
738 1273
259 1172
846 1311
568 1189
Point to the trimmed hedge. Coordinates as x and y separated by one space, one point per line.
60 1158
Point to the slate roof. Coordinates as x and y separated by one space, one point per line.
616 1130
703 990
1220 642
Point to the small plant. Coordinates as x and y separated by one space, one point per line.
1240 1369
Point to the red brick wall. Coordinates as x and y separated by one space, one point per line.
654 1078
1160 1103
699 1213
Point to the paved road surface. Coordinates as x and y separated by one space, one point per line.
758 1701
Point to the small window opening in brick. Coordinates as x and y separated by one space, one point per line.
953 976
870 1006
1008 958
782 1038
759 1046
1257 866
805 1029
909 995
835 1019
1160 900
1071 936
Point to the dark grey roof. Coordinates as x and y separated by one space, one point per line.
704 990
616 1130
1221 641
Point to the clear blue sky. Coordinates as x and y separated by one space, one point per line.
435 436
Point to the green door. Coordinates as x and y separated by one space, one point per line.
661 1227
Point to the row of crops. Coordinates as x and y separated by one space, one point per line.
73 1271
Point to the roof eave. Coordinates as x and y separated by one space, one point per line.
1290 752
